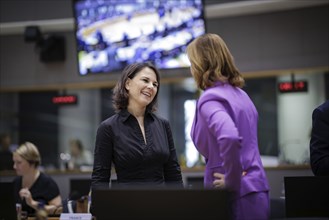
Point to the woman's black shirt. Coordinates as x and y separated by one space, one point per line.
43 190
120 141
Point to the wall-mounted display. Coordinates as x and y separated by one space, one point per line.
113 33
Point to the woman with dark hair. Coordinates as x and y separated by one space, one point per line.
225 128
138 142
33 188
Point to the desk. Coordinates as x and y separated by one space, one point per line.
49 218
52 218
274 175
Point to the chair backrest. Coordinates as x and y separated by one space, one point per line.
307 196
79 188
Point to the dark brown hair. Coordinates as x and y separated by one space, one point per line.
120 93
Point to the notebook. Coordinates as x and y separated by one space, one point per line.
7 201
161 204
307 196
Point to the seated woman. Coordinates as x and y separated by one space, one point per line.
32 187
79 155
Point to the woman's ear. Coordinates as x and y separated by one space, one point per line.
127 85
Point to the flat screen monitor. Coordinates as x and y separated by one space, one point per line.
161 204
7 201
79 188
111 34
306 196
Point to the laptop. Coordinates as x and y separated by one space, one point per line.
307 196
161 204
7 201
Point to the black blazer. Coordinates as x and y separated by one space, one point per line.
319 144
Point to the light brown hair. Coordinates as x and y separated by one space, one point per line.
30 153
211 61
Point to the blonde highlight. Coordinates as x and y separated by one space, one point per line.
30 153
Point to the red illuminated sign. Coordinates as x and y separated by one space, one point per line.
298 86
65 100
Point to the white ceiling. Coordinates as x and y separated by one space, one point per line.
211 11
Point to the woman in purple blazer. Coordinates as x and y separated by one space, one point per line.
225 129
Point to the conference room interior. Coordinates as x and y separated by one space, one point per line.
275 44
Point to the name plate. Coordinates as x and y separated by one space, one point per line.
75 216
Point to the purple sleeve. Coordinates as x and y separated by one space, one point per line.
221 126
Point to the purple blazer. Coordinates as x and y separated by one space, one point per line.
224 131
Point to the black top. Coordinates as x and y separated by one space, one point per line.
319 144
120 141
43 190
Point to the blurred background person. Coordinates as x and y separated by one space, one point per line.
32 187
6 155
319 144
79 155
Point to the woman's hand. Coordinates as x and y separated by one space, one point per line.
219 182
25 193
